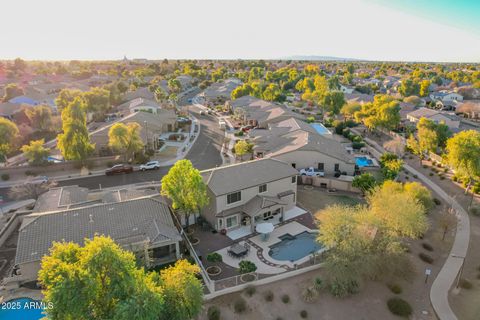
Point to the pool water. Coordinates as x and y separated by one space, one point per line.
320 128
21 309
363 162
292 248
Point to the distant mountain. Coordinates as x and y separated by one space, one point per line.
319 58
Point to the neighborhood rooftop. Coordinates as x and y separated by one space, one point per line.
223 180
129 222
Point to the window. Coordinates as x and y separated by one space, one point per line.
294 179
294 165
232 221
321 166
337 167
234 197
267 215
262 188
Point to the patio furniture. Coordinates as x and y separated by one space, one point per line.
265 229
237 250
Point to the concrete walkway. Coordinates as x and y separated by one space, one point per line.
447 276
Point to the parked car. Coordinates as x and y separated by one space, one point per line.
37 180
312 172
209 111
151 165
119 168
202 113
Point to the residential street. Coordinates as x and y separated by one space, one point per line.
204 154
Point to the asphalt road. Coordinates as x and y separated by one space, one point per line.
204 154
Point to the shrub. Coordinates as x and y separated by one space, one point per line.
415 176
318 283
240 305
475 210
424 166
268 295
430 174
309 294
310 119
445 170
399 307
342 288
285 298
465 284
5 177
437 201
250 290
303 314
442 178
454 178
213 313
427 246
395 288
214 257
30 173
425 258
246 266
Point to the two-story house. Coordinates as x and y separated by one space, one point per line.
249 193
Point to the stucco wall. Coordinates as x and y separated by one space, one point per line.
305 159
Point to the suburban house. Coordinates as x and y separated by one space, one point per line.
152 126
142 225
469 109
220 91
245 194
361 98
139 93
142 104
445 96
297 143
259 113
451 120
346 89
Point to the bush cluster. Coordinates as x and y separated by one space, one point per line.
399 307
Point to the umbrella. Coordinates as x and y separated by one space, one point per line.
266 227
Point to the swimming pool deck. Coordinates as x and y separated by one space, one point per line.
259 252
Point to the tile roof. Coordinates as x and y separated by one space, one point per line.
227 179
144 219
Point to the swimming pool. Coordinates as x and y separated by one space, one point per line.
22 309
320 128
292 248
363 162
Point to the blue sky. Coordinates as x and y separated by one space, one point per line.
406 30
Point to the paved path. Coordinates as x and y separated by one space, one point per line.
447 276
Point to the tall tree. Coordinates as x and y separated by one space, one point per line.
35 152
334 101
183 292
74 141
463 154
184 186
66 97
409 88
98 281
41 117
424 88
364 182
12 90
97 100
8 133
125 138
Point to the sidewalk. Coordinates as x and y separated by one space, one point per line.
75 174
447 276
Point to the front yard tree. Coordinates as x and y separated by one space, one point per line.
97 100
242 148
41 117
35 152
424 88
125 138
98 281
391 165
30 190
364 182
74 141
66 96
183 292
8 133
334 101
184 186
463 154
409 88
